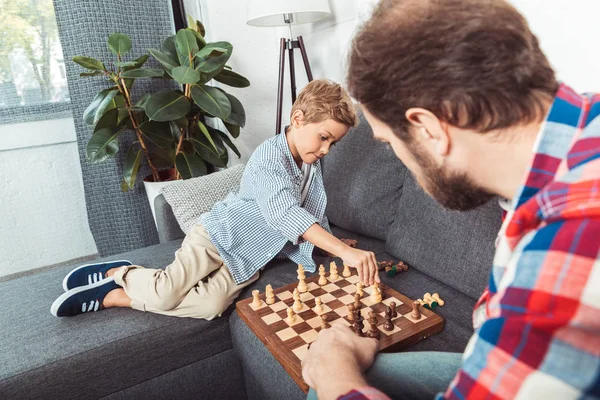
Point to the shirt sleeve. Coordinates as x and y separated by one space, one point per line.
539 326
278 198
365 393
325 224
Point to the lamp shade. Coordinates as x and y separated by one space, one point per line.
271 12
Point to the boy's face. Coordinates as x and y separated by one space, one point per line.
314 140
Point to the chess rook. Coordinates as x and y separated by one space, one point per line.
256 301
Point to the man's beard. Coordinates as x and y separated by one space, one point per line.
453 190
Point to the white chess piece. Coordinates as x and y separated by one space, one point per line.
302 287
333 272
256 301
270 295
291 317
322 280
359 289
297 301
375 293
318 305
346 273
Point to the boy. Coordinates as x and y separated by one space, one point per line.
278 210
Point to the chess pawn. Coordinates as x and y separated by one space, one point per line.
431 303
437 298
359 289
256 301
416 313
302 287
333 272
375 294
381 289
270 294
318 306
346 272
297 301
393 307
357 298
291 317
322 280
324 324
388 325
373 331
350 312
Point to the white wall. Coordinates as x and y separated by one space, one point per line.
43 219
566 29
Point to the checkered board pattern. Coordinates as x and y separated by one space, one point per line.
289 342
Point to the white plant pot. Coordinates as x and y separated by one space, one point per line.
152 192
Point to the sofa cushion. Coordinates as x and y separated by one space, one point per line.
363 190
191 198
261 368
96 354
456 248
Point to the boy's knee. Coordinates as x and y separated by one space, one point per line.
215 306
165 303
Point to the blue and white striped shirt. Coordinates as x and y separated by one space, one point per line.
266 217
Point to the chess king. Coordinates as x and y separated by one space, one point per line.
464 96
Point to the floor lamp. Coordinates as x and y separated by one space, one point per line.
273 13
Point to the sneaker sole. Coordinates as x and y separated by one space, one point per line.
66 278
56 305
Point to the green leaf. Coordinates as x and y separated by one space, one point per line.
181 122
125 63
89 63
200 28
102 102
131 167
204 130
142 102
164 59
102 145
158 133
95 73
205 150
233 129
162 158
190 165
232 79
167 106
185 75
108 121
238 114
229 143
199 39
119 43
185 42
211 100
141 60
191 22
169 48
213 56
143 73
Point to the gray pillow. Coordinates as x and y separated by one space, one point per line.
191 198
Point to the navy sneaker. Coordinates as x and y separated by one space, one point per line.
83 299
89 274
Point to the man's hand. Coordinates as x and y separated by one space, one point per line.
335 361
364 262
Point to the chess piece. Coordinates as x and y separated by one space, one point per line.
357 298
256 301
333 272
302 287
437 298
324 324
270 294
375 293
393 307
350 312
359 289
358 323
373 331
291 317
382 290
429 301
388 325
297 301
322 280
416 313
346 273
318 306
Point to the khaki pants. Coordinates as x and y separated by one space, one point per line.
196 285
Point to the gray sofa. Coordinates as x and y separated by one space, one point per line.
126 354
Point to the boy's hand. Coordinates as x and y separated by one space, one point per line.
364 262
350 242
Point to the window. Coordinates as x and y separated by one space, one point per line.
33 84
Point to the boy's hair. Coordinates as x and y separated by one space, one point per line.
322 99
473 63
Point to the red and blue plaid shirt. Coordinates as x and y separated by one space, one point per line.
538 323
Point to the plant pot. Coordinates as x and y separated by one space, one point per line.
167 177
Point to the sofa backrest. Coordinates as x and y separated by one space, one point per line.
363 179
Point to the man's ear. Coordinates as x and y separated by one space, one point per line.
297 119
429 130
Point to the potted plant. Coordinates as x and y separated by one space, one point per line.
173 134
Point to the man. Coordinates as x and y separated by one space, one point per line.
467 100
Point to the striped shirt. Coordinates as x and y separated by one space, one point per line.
538 324
266 216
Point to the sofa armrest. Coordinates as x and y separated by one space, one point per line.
168 228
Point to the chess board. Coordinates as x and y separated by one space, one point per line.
289 342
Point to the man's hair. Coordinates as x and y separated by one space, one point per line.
473 63
323 99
